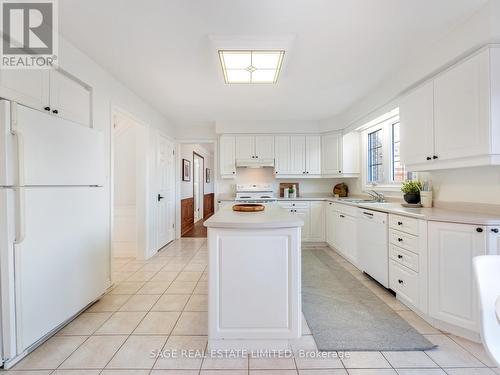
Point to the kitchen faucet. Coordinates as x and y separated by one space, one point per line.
379 197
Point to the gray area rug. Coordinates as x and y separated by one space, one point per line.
344 315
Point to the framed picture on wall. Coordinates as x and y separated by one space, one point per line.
207 175
186 170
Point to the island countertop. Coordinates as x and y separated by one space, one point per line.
272 217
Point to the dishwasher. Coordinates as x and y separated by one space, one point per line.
373 249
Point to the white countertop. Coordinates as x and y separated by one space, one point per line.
272 217
431 214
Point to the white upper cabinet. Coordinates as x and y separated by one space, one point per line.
28 87
297 155
351 153
282 155
264 146
69 99
331 144
461 117
245 147
227 154
453 120
313 154
52 91
416 114
258 147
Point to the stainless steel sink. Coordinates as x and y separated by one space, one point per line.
353 200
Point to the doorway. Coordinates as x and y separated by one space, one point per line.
198 190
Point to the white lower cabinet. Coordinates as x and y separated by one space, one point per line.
329 224
313 215
452 290
343 231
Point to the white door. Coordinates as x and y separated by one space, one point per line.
461 103
28 87
416 114
330 150
264 147
297 154
317 222
166 192
245 147
313 154
69 99
452 293
63 263
282 155
227 155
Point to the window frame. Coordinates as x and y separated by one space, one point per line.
385 124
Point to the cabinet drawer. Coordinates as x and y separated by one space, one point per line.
404 257
346 209
404 224
404 282
404 240
289 204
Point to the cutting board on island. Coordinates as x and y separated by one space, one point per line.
286 185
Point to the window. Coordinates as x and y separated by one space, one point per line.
383 152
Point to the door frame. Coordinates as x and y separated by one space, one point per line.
142 195
178 179
202 183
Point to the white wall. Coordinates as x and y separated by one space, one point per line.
187 153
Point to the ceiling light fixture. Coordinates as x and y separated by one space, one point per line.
251 66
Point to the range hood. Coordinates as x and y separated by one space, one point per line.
254 163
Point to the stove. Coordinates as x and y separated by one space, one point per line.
255 193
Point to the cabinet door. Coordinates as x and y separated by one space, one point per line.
27 87
329 224
245 147
264 146
313 154
317 221
349 246
282 154
350 161
416 114
227 155
452 293
304 214
69 98
494 241
297 154
461 102
330 151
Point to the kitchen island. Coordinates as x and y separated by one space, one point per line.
254 279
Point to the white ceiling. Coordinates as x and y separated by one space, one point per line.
341 50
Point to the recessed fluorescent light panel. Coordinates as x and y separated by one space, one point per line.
251 66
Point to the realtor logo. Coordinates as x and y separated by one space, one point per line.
29 34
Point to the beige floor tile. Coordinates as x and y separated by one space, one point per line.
225 363
392 302
272 363
476 349
192 323
204 277
171 302
273 372
307 355
176 372
201 288
51 354
154 287
76 372
121 323
94 353
413 359
109 303
175 345
85 324
181 287
125 372
323 372
189 276
418 323
450 354
470 371
127 287
157 323
140 302
173 267
375 371
137 352
152 267
29 372
165 276
420 371
224 372
142 275
119 276
374 360
197 302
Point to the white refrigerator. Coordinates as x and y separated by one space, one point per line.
54 244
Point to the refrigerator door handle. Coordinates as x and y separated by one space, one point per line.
20 217
19 189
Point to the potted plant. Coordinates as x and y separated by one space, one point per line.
411 190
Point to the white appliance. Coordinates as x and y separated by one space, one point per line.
255 163
373 249
54 248
255 193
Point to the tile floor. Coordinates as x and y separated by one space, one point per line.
161 304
